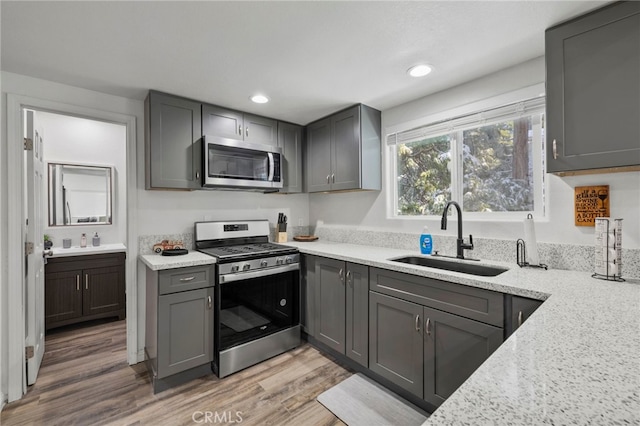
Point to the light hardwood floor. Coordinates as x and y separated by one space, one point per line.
85 379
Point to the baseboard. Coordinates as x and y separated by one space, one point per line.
140 355
3 400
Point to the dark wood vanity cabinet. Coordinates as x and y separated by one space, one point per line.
82 288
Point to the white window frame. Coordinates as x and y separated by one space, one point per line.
540 184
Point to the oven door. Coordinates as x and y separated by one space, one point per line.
250 306
232 163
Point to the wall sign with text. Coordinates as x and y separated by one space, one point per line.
591 202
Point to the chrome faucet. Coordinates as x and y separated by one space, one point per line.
461 246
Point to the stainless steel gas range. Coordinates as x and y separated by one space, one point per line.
257 293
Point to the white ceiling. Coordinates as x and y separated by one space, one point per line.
310 58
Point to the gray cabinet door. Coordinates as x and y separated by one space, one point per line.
330 303
260 130
357 311
395 341
345 150
185 324
593 90
222 122
521 309
290 141
319 156
172 142
307 293
454 347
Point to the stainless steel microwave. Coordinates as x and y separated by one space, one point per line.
230 163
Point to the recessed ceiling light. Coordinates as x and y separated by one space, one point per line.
419 70
259 99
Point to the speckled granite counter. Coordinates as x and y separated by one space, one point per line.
156 262
575 361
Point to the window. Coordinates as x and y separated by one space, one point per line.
489 161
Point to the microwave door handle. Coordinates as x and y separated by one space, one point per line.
272 167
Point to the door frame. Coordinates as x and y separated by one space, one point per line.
16 215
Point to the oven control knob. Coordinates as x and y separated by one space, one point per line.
263 263
246 267
288 259
279 261
234 268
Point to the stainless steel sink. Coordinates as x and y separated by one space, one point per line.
448 265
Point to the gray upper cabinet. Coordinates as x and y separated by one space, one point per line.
172 142
344 151
593 90
454 347
290 141
237 125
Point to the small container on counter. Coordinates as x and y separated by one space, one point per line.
96 240
83 240
66 243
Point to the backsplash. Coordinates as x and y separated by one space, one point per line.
555 256
146 242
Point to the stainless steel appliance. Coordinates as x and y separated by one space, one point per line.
230 163
257 293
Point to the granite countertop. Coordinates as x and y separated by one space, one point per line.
576 360
58 251
157 262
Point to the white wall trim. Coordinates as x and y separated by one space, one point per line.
15 103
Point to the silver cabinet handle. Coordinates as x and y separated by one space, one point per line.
209 304
418 323
555 150
333 178
427 325
86 281
349 276
197 175
247 131
328 178
340 273
78 282
240 129
187 279
520 318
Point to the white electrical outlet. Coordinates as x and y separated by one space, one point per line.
299 221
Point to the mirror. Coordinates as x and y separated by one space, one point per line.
79 194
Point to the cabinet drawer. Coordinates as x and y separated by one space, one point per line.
183 279
470 302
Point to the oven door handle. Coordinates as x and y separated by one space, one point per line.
228 278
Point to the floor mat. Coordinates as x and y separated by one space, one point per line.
359 400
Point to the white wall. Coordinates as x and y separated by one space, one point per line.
369 209
72 140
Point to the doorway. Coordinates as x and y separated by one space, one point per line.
17 199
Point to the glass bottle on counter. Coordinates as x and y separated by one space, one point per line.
83 240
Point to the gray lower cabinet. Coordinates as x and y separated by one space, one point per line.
593 90
395 341
344 151
290 141
338 293
179 324
520 309
454 347
428 352
173 141
230 124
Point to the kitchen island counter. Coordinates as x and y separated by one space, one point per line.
576 360
157 262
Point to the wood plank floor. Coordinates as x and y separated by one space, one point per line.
85 379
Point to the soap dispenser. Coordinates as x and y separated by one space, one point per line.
83 240
426 242
96 240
